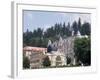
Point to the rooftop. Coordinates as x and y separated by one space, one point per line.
35 49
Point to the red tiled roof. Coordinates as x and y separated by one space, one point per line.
35 49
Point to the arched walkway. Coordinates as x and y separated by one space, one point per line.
58 61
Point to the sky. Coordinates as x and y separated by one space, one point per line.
45 19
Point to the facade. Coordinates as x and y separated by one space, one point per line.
62 48
57 58
35 55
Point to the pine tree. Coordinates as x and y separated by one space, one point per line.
79 25
75 27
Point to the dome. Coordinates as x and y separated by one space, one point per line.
49 47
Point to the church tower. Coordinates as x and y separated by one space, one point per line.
78 33
60 45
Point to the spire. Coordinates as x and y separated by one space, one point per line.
60 42
60 39
78 34
72 33
49 43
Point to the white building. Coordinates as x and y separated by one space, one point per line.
57 52
35 55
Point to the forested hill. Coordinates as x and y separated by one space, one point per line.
39 37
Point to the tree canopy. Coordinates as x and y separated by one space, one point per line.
82 50
26 62
40 37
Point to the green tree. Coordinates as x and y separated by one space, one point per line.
68 30
82 50
39 32
46 62
79 25
86 29
27 37
75 27
50 32
26 62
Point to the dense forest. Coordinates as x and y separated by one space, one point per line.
39 37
